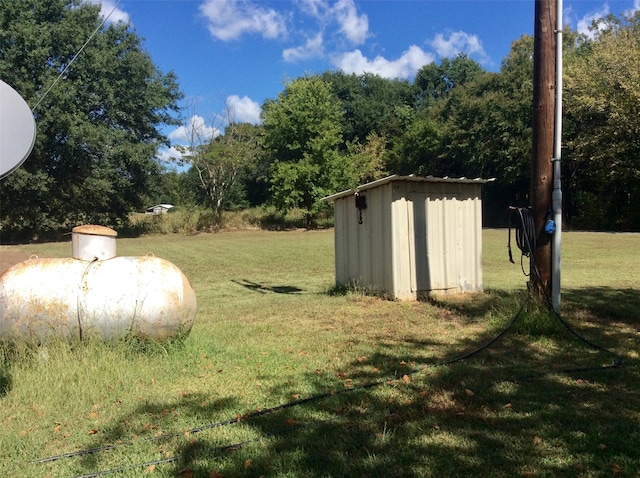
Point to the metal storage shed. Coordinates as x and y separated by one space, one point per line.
405 237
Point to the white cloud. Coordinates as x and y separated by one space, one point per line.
343 13
315 8
313 48
404 67
107 8
179 135
586 21
355 27
456 43
336 20
243 110
168 154
195 131
230 19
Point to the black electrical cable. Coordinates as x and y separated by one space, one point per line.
323 396
218 449
222 423
525 239
171 459
267 411
283 406
485 346
525 232
295 403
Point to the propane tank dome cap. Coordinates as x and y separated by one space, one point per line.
94 230
90 241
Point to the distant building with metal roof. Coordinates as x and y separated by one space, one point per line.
159 209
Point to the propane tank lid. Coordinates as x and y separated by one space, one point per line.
90 242
94 230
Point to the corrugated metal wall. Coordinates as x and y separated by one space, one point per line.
415 238
446 237
363 251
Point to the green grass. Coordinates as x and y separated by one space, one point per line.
269 332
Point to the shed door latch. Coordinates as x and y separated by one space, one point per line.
361 203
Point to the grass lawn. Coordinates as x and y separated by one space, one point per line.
281 377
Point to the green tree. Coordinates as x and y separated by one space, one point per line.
97 128
173 187
369 158
485 130
416 150
477 123
371 104
416 147
434 82
488 130
602 98
218 160
303 136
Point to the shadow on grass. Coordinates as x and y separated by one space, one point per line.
605 305
152 426
263 289
5 380
517 408
477 305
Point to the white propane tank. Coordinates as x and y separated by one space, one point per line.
65 297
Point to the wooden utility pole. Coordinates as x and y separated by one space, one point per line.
543 136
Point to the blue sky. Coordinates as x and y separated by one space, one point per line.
232 55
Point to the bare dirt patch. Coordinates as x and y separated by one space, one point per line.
10 256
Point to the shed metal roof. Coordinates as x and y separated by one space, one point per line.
412 177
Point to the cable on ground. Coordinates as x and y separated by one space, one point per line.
318 397
294 403
525 239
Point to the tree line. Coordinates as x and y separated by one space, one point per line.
94 156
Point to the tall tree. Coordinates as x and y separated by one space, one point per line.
371 104
434 82
97 128
479 127
416 150
218 159
368 158
603 128
486 124
303 135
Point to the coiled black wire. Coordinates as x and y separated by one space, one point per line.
526 241
525 231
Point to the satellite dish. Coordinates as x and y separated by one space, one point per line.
17 130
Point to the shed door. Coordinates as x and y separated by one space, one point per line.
435 225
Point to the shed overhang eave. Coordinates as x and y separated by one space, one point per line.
395 177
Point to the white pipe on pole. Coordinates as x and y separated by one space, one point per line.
556 197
